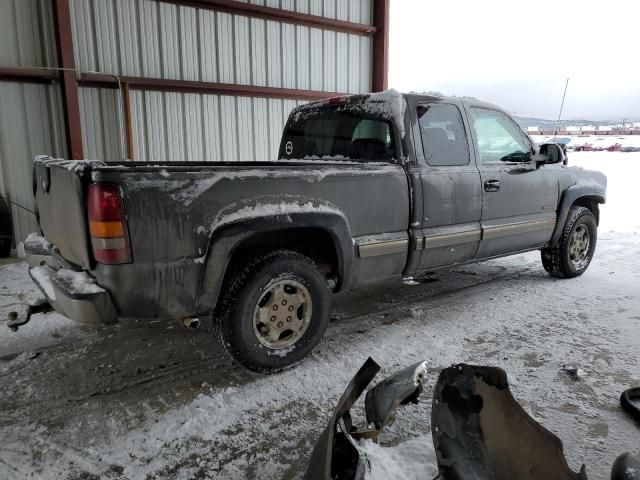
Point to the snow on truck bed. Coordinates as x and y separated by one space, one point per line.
187 190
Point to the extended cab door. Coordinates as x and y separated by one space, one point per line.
519 199
451 192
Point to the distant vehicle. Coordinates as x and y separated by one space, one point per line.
5 228
366 188
561 140
587 147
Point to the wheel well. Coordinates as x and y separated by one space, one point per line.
592 204
315 243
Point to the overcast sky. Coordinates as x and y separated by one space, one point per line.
519 54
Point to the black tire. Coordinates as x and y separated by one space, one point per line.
247 286
630 401
5 229
5 247
557 260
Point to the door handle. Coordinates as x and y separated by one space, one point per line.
492 185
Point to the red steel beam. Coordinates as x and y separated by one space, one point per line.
29 75
189 86
70 104
278 15
380 68
128 128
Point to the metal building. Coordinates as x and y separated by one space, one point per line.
183 80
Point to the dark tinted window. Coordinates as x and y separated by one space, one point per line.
443 137
336 133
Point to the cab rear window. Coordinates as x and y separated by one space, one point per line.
338 133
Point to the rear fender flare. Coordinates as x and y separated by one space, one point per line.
569 197
225 239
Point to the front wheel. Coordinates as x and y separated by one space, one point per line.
573 253
275 311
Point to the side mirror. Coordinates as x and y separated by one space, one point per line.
552 153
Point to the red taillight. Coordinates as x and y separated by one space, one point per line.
107 224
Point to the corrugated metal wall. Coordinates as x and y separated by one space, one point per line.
163 40
183 126
26 34
30 115
156 39
31 124
192 127
101 120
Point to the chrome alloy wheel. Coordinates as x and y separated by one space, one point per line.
579 247
282 314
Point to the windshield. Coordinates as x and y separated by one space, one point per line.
342 132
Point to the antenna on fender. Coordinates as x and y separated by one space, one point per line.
555 135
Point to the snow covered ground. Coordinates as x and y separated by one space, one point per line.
146 399
603 141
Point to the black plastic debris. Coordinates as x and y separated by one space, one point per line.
336 454
626 467
630 401
479 430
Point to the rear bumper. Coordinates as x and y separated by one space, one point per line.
94 307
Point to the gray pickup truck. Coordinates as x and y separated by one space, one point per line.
365 188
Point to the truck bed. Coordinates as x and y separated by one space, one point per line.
173 210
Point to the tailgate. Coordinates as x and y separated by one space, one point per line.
60 199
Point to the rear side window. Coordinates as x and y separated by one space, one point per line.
444 140
334 133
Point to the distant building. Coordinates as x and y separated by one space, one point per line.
630 129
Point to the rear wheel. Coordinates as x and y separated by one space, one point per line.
275 311
573 253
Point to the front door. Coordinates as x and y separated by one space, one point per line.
518 197
452 197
